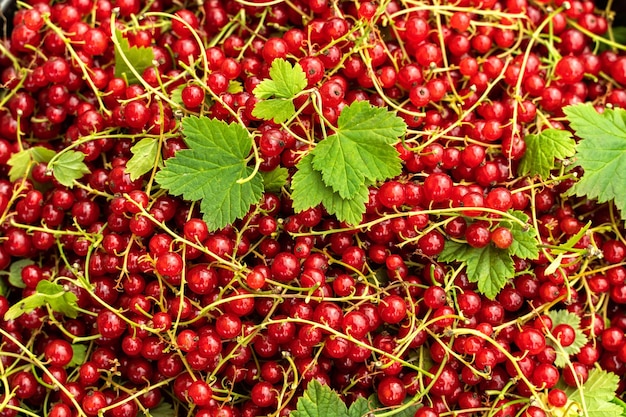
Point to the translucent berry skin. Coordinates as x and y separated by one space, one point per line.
391 391
438 187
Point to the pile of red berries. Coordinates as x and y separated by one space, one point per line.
158 312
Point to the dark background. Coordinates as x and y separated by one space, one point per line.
619 7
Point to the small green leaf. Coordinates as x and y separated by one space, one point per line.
177 95
162 410
214 170
234 87
489 266
276 109
79 355
492 268
543 149
285 81
425 360
572 241
24 306
525 244
21 162
277 92
309 190
69 166
4 288
275 179
563 353
319 401
145 153
359 408
378 278
622 404
59 300
15 272
601 152
139 57
46 292
361 150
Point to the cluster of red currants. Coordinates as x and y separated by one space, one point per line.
173 317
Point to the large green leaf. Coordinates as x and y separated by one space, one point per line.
543 149
276 93
214 170
361 151
144 156
140 58
309 190
488 266
601 152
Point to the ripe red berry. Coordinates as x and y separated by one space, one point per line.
200 393
59 352
502 237
391 391
438 187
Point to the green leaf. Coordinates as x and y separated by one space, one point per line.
69 166
349 210
489 266
359 408
145 153
285 81
454 251
425 361
276 109
213 170
563 353
601 152
79 355
619 37
15 272
573 240
275 179
177 95
59 300
378 278
622 404
234 87
596 397
319 401
4 288
598 408
21 162
139 57
309 190
46 293
543 149
361 150
525 244
162 410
